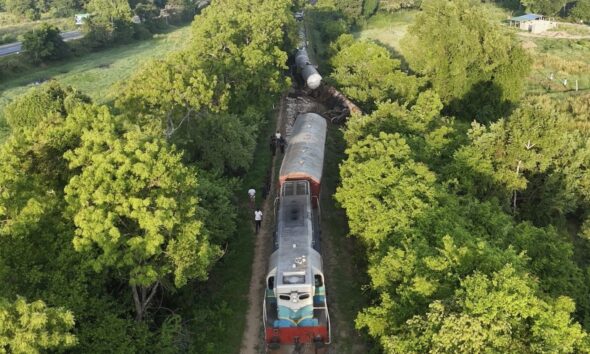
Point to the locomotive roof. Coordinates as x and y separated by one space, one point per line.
304 158
295 232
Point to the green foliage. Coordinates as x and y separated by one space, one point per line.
135 205
352 9
25 8
436 255
379 177
535 152
475 66
498 313
581 11
110 23
27 328
370 7
31 108
545 7
229 149
240 43
44 43
368 74
395 5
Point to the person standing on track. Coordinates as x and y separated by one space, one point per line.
258 219
273 144
282 144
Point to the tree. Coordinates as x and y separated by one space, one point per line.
546 7
379 176
65 8
370 7
532 152
28 328
110 22
422 126
475 66
394 5
25 8
501 313
26 112
367 73
136 209
581 11
352 9
44 43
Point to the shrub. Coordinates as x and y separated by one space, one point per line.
44 43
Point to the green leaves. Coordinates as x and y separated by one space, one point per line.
496 314
135 205
368 74
472 63
28 328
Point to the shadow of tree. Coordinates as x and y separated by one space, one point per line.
484 103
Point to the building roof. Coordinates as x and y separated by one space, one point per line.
527 17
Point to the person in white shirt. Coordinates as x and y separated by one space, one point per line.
252 195
278 135
258 219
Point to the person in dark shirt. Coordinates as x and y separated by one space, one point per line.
282 144
273 144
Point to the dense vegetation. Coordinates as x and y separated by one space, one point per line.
107 212
471 200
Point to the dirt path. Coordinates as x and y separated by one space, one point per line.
252 340
554 35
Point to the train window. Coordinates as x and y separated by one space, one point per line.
294 279
303 296
302 188
271 282
285 297
288 189
318 280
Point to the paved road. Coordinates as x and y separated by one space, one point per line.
15 48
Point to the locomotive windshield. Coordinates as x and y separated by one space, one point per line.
294 279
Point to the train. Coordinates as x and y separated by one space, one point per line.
305 68
295 307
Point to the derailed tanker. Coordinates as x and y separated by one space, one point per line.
306 69
310 75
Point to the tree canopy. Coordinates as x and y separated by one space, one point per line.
475 66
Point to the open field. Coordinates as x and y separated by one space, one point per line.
96 73
557 60
388 29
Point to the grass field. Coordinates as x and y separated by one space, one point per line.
556 60
96 73
388 29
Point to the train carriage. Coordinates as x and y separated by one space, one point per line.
304 157
295 305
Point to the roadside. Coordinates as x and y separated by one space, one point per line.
15 48
95 74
